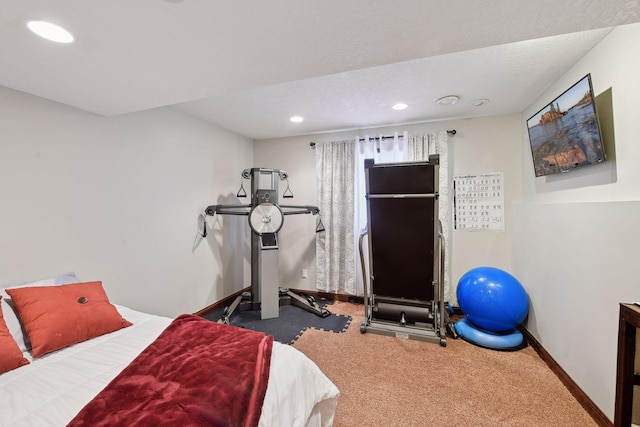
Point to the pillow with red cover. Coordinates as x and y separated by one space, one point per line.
10 315
10 357
58 316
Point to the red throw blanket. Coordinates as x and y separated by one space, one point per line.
196 373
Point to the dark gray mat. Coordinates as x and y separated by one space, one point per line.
289 325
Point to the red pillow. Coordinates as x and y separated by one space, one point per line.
58 316
10 356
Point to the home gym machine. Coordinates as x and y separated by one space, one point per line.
404 296
266 218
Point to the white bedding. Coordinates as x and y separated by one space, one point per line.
52 389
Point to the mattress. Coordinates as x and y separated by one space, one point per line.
53 388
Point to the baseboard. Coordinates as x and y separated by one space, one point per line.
598 416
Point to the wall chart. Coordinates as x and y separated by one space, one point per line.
479 202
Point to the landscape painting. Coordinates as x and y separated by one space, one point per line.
565 134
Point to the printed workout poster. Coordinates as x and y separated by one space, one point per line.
479 202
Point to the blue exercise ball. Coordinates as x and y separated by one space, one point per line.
492 299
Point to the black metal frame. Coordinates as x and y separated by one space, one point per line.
404 292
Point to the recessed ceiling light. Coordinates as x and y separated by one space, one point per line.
296 119
479 102
399 106
50 31
448 100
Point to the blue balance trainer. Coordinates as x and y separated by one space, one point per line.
494 303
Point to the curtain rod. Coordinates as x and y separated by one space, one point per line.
450 132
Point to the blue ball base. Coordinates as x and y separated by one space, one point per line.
507 341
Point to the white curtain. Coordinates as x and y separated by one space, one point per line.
335 246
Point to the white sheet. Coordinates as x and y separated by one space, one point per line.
53 388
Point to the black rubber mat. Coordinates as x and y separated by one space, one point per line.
289 325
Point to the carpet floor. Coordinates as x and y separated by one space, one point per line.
386 381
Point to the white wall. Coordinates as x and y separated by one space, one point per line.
489 144
117 199
575 239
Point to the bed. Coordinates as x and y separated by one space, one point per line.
63 386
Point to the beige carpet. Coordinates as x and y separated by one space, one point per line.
386 381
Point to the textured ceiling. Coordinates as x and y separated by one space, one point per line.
247 65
